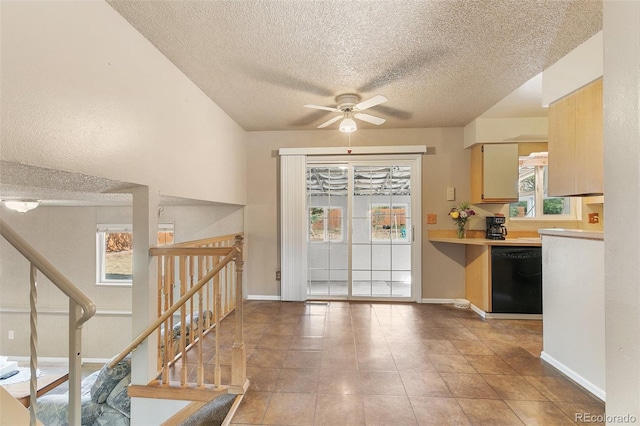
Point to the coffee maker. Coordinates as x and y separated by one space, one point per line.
495 228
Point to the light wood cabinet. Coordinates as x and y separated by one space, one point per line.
576 143
477 276
494 173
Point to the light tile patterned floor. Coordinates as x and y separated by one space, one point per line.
398 364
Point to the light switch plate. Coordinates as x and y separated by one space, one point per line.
451 193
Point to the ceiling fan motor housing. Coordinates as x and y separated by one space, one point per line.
347 101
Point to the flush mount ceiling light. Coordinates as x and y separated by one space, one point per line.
21 206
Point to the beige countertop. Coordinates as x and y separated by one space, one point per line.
572 233
512 242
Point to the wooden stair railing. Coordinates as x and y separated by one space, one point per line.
81 308
209 277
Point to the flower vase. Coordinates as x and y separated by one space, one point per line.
462 231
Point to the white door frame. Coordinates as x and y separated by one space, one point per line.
294 253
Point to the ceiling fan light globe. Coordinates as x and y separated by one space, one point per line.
348 126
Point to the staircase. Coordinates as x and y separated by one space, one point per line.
199 285
81 308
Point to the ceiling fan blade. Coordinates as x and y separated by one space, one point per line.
376 100
322 108
369 118
330 121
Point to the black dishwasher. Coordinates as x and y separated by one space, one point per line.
516 280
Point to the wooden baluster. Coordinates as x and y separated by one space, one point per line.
210 306
216 284
183 321
190 267
216 293
231 286
172 281
201 273
200 379
159 313
239 356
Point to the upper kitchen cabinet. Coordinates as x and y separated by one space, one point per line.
494 173
576 143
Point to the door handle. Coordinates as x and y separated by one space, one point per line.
413 233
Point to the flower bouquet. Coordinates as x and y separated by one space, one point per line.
460 214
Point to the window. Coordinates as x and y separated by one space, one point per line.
389 222
114 251
325 224
533 200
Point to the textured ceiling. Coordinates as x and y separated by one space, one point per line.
60 188
440 63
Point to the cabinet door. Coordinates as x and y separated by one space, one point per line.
562 142
500 172
476 174
589 146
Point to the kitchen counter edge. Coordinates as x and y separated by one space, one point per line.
572 233
512 242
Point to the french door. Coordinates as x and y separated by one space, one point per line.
362 216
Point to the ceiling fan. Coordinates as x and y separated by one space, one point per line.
350 107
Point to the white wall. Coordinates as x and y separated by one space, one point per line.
67 237
622 188
573 300
579 67
443 264
505 130
83 91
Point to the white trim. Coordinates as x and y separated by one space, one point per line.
595 390
60 360
478 311
262 297
415 238
61 311
355 150
437 301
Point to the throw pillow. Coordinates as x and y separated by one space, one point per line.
108 378
119 399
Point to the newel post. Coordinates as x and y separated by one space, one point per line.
239 383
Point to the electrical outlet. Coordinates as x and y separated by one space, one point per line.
11 335
277 275
432 219
451 193
594 218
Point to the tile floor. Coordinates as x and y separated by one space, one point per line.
398 364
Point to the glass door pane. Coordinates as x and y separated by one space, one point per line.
327 237
359 238
381 240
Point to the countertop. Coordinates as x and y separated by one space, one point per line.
512 242
572 233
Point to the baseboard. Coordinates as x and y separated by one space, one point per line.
59 360
437 301
514 316
61 311
595 390
262 297
478 311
